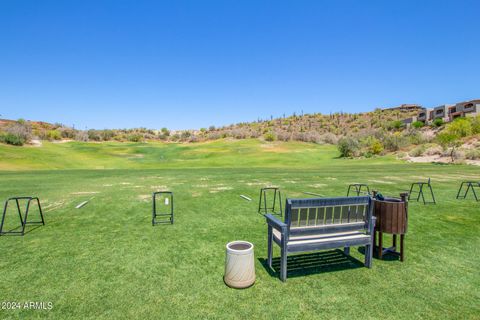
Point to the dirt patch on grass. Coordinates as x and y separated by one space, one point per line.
317 185
438 159
145 197
381 181
159 188
84 192
218 189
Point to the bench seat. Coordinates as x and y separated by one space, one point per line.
323 241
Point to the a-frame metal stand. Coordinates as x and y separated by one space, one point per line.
23 220
470 185
264 208
357 188
165 214
420 193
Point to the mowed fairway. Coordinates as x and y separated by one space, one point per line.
106 261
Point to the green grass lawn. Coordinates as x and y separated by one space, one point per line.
106 261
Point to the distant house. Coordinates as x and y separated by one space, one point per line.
425 115
442 112
466 109
406 107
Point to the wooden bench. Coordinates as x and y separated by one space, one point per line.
321 224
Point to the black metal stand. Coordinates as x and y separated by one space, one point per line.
420 191
166 216
470 185
358 189
23 221
262 205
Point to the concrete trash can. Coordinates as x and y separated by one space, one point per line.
239 265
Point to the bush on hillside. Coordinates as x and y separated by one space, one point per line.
81 136
472 154
269 136
53 135
432 150
135 137
393 142
437 122
67 133
397 124
476 125
328 138
348 147
417 151
373 145
418 124
461 127
19 131
10 138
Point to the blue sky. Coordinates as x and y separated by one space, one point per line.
191 64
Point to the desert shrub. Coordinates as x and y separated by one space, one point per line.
19 131
348 147
476 125
67 133
283 136
107 135
417 151
397 124
185 134
81 136
415 137
437 122
432 150
240 133
328 138
472 154
418 124
269 136
54 135
373 145
94 135
165 132
460 127
135 137
10 138
394 142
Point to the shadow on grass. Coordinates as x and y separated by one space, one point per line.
18 229
313 263
389 256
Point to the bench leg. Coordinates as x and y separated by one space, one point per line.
346 250
368 256
283 264
402 247
270 240
380 245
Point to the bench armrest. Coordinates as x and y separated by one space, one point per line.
275 223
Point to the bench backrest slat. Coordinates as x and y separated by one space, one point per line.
325 212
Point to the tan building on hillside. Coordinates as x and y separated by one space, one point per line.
448 112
